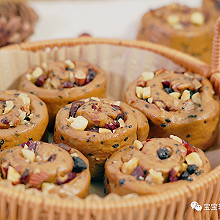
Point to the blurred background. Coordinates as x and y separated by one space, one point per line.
101 18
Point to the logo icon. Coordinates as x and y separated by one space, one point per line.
196 206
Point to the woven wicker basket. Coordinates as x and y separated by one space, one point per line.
174 204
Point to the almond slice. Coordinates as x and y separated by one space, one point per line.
186 95
146 92
80 77
24 98
36 73
30 155
196 98
38 178
9 107
139 92
70 64
175 94
104 130
196 84
138 144
176 138
128 167
55 82
13 175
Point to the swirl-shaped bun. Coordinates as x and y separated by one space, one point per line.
98 127
48 167
154 166
22 115
59 83
177 103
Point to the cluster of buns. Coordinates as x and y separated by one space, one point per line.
143 145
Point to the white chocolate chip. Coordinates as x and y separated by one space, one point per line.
104 130
196 98
79 123
197 18
128 167
186 95
36 73
146 75
9 106
176 138
173 19
175 94
30 155
193 158
121 122
24 98
138 144
28 76
13 175
146 92
154 177
139 92
70 64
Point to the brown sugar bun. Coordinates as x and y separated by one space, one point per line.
59 83
48 167
99 127
22 115
176 103
154 166
189 30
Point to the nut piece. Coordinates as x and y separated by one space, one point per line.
154 177
24 98
28 76
72 77
193 158
186 95
55 82
128 167
184 167
146 75
176 138
197 18
197 84
30 155
45 67
104 130
79 123
138 144
46 187
173 19
13 175
9 107
175 94
139 92
95 98
121 122
80 77
196 98
146 92
70 64
36 73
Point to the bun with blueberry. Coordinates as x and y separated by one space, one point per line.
154 166
178 103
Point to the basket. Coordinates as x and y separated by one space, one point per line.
170 205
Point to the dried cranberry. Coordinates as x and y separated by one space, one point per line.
32 146
79 165
70 176
94 106
117 107
6 169
67 84
24 176
147 140
52 157
189 147
172 176
90 76
65 147
166 83
5 121
74 107
137 172
113 125
41 79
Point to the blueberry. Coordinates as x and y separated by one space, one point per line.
79 165
192 168
185 175
168 90
163 153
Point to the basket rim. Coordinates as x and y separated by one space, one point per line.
185 60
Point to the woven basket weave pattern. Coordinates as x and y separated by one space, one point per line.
166 206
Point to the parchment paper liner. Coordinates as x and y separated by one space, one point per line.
124 61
